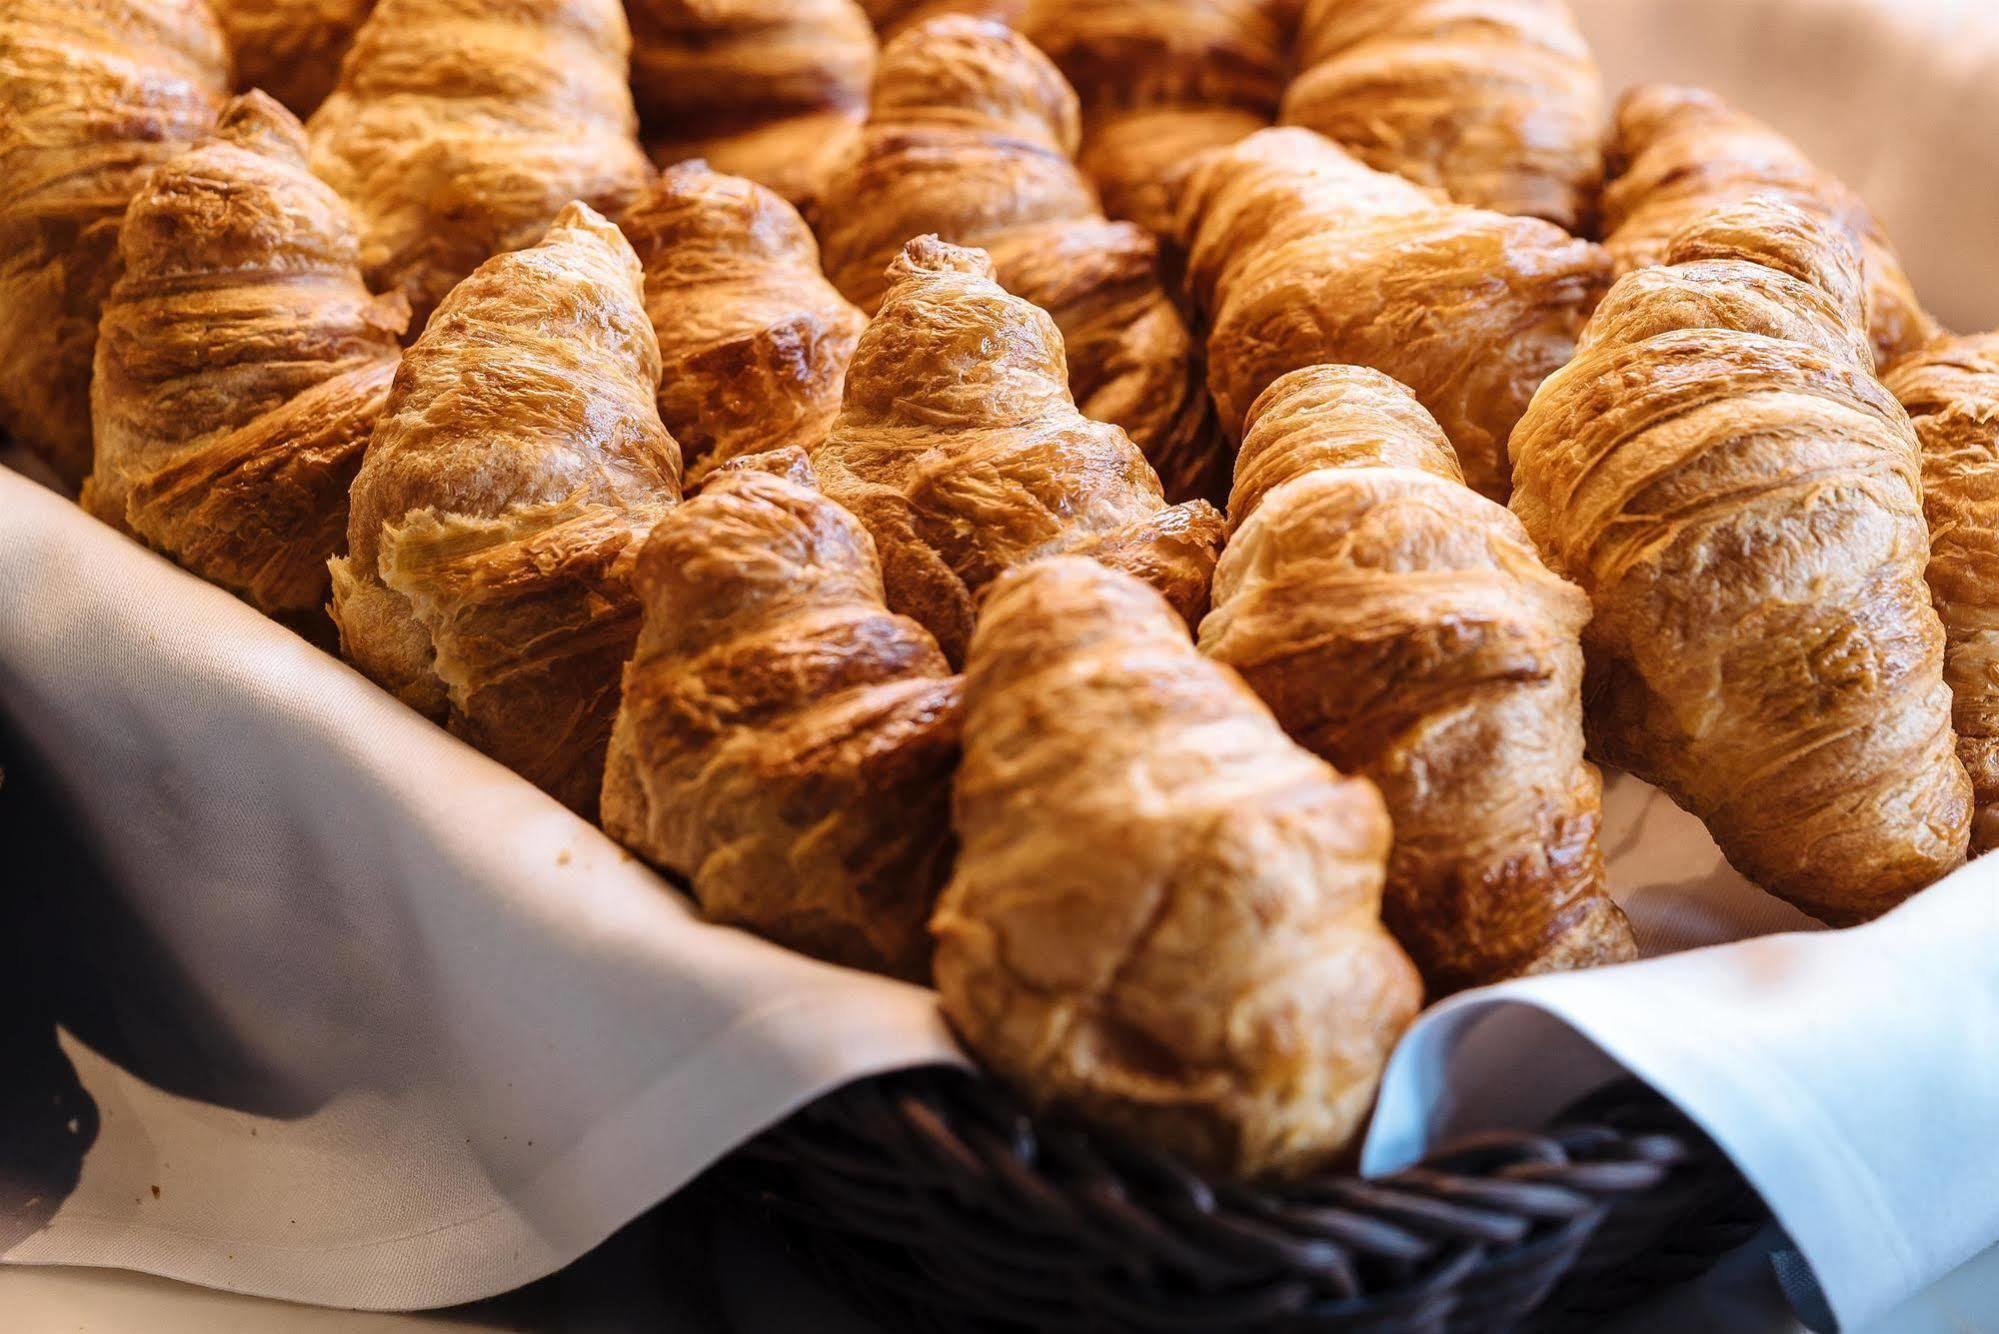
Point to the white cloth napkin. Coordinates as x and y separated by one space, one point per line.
403 1031
396 1031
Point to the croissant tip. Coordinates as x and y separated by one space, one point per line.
1643 109
1775 232
258 121
930 255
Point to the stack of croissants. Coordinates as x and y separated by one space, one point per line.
1133 511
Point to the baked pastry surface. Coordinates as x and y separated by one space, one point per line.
460 128
1165 916
786 743
1741 499
1402 627
240 365
93 95
961 449
511 480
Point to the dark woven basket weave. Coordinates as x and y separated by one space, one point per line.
935 1202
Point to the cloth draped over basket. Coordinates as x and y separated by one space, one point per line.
396 1031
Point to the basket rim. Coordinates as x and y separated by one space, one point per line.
948 1201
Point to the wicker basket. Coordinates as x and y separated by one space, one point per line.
935 1202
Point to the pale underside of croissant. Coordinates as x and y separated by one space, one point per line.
240 365
969 136
753 338
291 49
93 95
786 743
460 128
1495 102
774 90
512 478
961 449
1679 153
1160 82
1951 390
1165 915
1302 255
1740 497
1400 626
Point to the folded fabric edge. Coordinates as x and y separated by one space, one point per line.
1774 1132
624 1167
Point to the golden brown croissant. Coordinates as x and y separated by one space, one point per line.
754 340
1951 390
1678 153
785 742
1496 102
1160 82
1165 916
460 128
93 94
960 448
1401 627
774 90
291 48
969 136
893 16
1721 472
1302 255
514 474
240 365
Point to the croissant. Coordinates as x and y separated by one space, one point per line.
1302 255
754 340
786 743
1951 391
1495 102
960 448
460 128
291 49
969 136
774 90
1160 82
1740 497
512 478
1678 153
893 16
1165 916
93 94
240 365
1400 626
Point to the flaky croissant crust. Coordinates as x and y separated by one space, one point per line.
1165 915
1496 102
460 128
774 90
754 340
240 364
1679 153
1302 255
514 473
961 449
1160 82
93 95
893 16
1738 494
291 49
1402 627
969 136
785 742
1951 391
